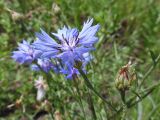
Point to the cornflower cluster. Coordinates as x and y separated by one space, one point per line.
61 54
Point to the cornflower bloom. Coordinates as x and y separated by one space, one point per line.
70 72
46 65
25 53
71 45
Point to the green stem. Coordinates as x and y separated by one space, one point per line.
124 107
139 100
90 102
151 89
89 85
141 92
149 71
124 112
153 112
106 111
79 96
91 105
122 93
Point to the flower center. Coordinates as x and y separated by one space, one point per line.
70 44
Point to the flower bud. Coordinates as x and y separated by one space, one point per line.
41 88
125 78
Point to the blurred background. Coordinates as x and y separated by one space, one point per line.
130 30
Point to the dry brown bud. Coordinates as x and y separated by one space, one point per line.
126 76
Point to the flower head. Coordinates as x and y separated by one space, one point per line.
46 65
71 44
34 67
70 49
25 53
125 78
71 72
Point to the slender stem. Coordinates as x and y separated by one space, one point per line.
141 92
122 93
92 88
124 112
124 107
153 112
139 111
91 104
106 111
79 96
149 71
151 89
139 100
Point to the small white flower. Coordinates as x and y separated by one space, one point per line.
41 88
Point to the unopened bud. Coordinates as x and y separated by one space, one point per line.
125 78
41 88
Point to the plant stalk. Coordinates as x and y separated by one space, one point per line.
89 85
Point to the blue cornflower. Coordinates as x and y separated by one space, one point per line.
44 64
87 58
25 53
71 44
70 72
34 67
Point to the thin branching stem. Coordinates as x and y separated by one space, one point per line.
124 107
149 71
129 104
151 89
90 102
91 105
92 88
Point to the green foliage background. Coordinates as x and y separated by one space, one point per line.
129 30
